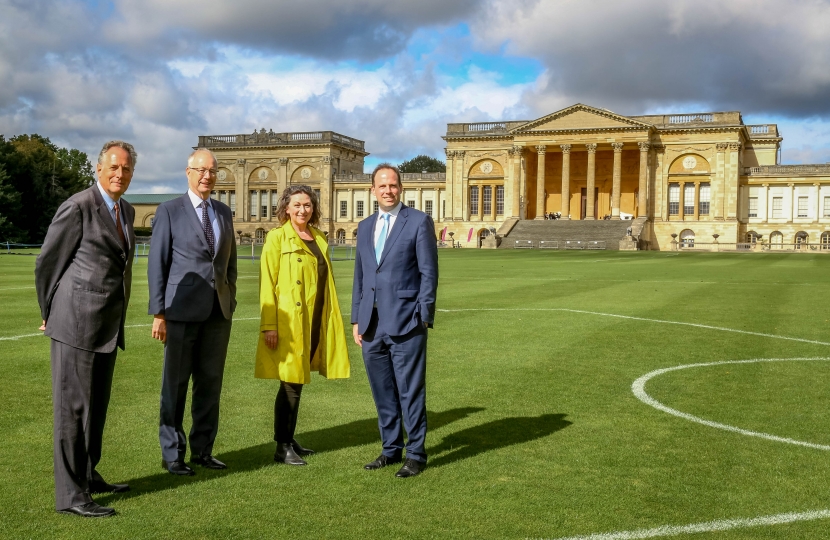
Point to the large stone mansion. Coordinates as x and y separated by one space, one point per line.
700 177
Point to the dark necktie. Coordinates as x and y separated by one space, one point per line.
207 227
120 228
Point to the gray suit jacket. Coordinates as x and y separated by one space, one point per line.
83 274
180 272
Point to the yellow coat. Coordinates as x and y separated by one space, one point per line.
287 289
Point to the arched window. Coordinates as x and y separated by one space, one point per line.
776 240
340 236
259 235
825 240
482 234
752 237
687 238
801 239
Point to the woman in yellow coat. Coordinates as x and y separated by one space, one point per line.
301 329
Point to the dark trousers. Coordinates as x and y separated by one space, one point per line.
396 368
196 349
286 408
81 384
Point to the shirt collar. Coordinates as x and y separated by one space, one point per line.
107 199
195 200
393 213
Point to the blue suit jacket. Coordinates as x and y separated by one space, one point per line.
180 272
405 281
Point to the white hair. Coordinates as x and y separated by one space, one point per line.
193 153
120 144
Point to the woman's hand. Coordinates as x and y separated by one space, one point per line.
271 338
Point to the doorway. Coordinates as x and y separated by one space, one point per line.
584 207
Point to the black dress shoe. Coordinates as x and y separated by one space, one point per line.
410 468
177 467
208 461
299 449
286 454
381 462
103 487
90 509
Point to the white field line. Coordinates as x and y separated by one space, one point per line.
708 526
638 387
13 338
660 321
15 288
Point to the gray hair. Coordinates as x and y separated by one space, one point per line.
120 144
200 149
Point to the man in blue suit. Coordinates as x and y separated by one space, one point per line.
393 304
191 272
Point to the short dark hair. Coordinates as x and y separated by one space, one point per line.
285 198
385 165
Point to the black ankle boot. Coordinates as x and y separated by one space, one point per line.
286 454
300 449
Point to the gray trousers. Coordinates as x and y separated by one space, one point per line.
81 384
196 349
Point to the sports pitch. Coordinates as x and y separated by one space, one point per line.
552 413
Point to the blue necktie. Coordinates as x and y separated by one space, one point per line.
382 238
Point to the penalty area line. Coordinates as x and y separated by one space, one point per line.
707 526
660 321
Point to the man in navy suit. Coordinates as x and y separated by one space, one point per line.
393 304
191 273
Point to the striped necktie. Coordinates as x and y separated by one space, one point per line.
384 231
207 226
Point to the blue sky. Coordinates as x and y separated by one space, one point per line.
159 73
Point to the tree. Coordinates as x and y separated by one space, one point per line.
423 163
40 176
9 202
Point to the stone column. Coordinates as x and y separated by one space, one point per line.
326 194
590 203
642 199
697 200
616 180
480 202
566 180
817 191
515 183
718 193
418 199
540 181
791 206
763 209
242 196
268 204
493 189
350 204
461 205
282 176
681 211
448 186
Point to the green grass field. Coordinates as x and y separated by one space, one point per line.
534 429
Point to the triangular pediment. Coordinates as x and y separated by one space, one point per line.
579 116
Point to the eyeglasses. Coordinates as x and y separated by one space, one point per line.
202 171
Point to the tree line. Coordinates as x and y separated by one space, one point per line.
36 176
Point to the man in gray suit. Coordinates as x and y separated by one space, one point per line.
83 276
192 277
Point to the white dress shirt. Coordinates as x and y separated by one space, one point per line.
393 215
197 205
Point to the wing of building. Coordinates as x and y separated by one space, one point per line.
655 182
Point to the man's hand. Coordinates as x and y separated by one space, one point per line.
271 339
159 328
358 338
42 327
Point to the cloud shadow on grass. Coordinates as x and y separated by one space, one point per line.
501 433
357 433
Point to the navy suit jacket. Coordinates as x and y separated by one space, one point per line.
180 272
406 280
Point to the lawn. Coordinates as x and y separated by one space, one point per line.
534 430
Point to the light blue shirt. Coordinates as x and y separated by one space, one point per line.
197 202
111 206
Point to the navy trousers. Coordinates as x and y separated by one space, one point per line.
396 368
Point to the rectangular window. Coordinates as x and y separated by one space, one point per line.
264 204
705 194
223 197
214 195
500 200
374 207
487 200
275 202
777 206
410 203
753 207
428 207
359 209
474 200
254 203
674 199
689 199
233 203
344 208
826 207
802 206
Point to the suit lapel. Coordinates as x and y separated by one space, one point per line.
105 217
369 239
400 221
191 217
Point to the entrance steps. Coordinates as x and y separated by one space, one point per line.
594 232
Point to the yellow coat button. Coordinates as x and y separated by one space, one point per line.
298 303
299 259
298 282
